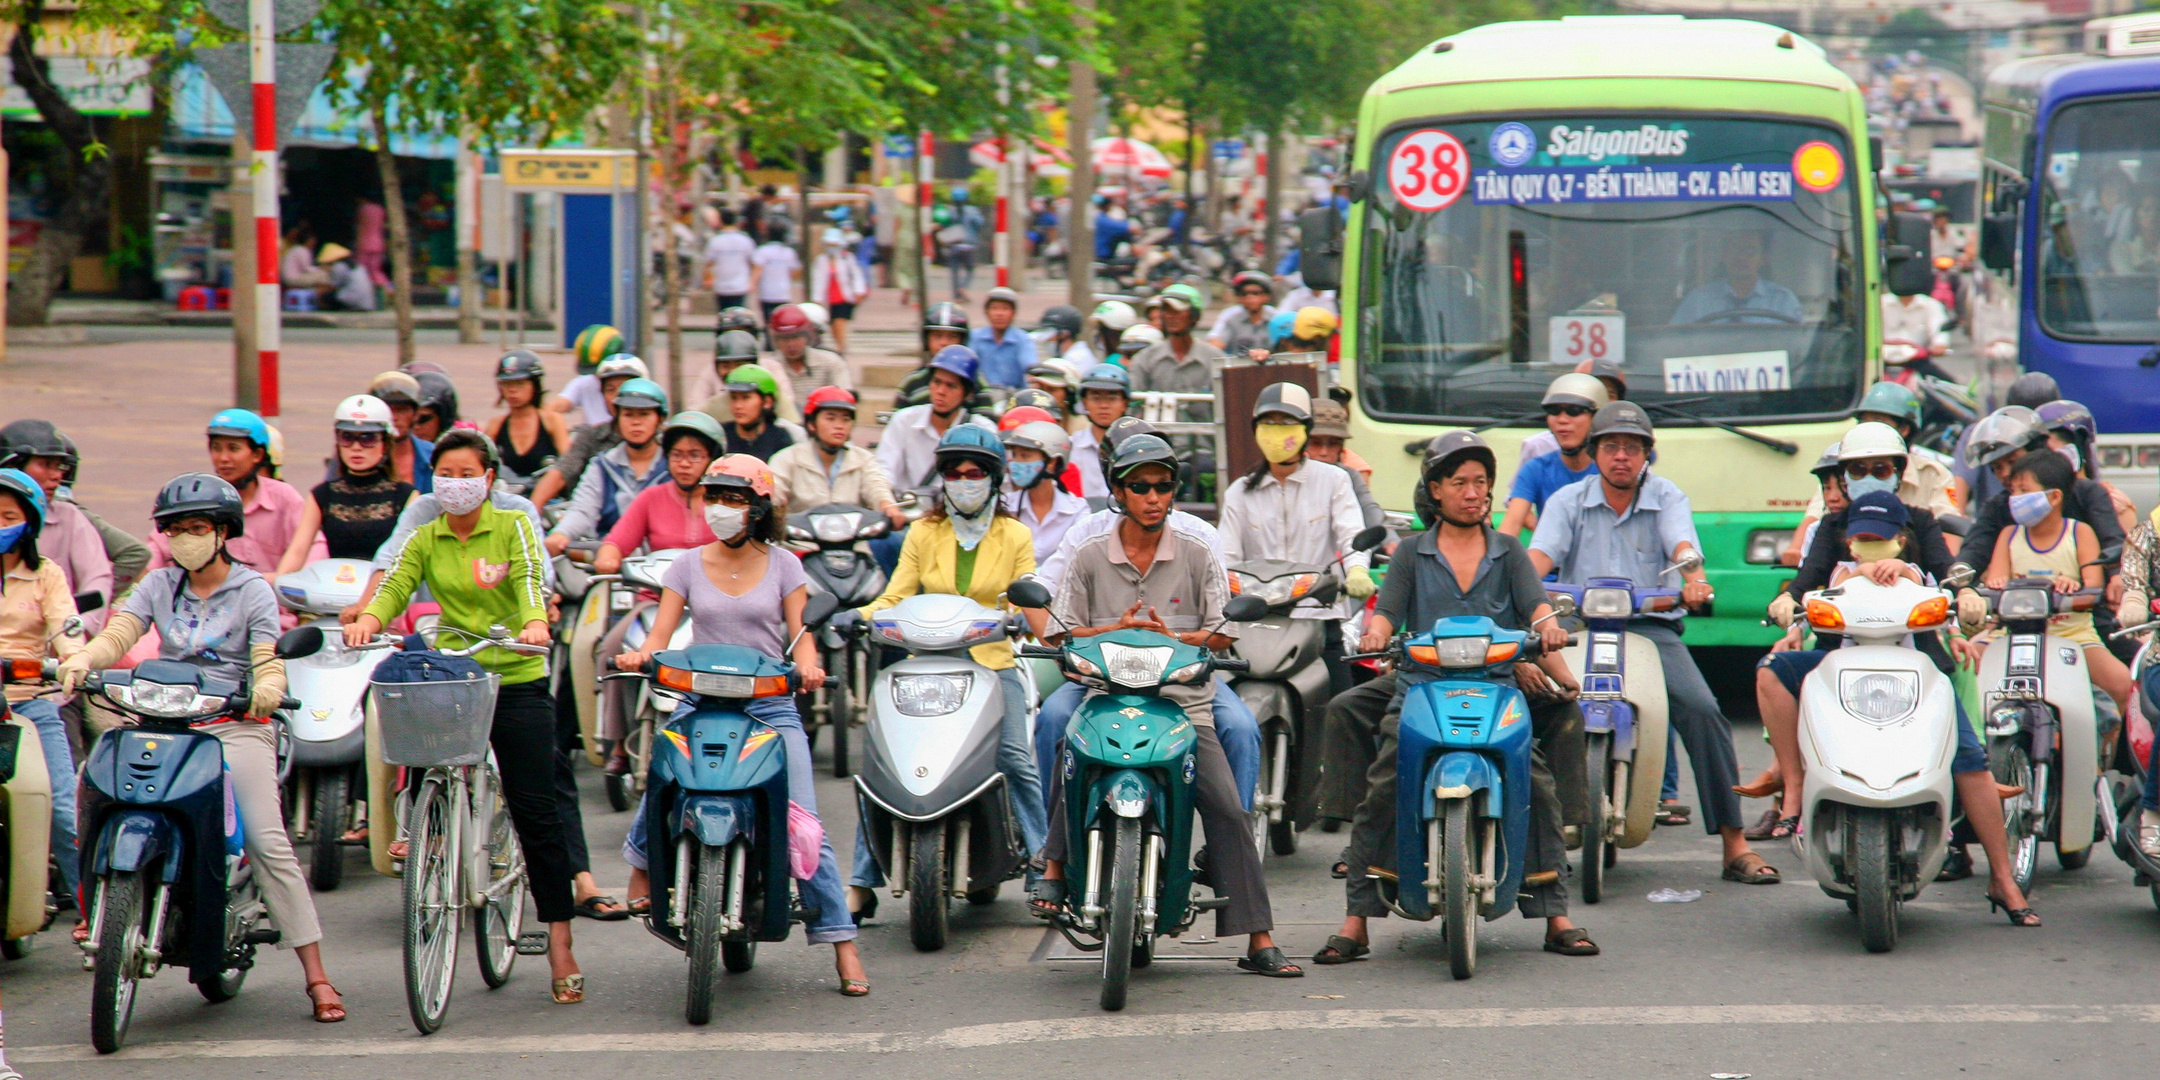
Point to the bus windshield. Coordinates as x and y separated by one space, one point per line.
1715 260
2100 222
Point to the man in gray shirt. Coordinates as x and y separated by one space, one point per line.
1179 363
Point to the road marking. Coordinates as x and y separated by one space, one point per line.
977 1036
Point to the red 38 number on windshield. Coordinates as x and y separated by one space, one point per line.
1428 170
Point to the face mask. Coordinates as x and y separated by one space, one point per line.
1875 550
13 535
2029 509
2077 463
727 522
1280 443
193 552
461 494
967 497
1868 485
1025 473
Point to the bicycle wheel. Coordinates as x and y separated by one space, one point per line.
432 911
497 923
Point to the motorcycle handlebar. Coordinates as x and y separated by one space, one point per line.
1232 663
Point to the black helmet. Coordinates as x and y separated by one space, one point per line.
439 394
946 316
1039 398
1287 399
1119 430
202 495
26 439
1621 418
737 318
1447 446
1141 449
1064 318
2032 390
515 366
735 345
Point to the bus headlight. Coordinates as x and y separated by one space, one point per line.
1764 546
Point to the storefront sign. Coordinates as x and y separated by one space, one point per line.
97 85
559 169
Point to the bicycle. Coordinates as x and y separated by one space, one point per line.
462 852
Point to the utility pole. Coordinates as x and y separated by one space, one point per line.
1079 220
263 164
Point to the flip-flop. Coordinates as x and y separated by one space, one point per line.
1272 963
568 990
639 907
1341 950
1573 941
855 987
1674 813
1339 871
1757 872
1047 898
595 907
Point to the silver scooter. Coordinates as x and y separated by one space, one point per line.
326 789
938 810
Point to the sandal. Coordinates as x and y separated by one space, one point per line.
598 905
2024 917
325 1012
1340 871
639 907
354 836
1673 812
1785 829
855 988
1957 866
868 902
1341 950
400 850
1047 898
1761 829
1573 941
570 989
1272 963
1748 868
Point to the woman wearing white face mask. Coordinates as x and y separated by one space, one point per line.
972 546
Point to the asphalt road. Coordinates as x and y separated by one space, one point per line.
1768 981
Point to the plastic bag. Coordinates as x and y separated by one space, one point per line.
806 838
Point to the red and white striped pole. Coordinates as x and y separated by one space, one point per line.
1002 243
925 171
269 302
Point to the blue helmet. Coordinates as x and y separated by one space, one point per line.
242 424
30 494
961 361
641 394
1107 377
1280 324
973 442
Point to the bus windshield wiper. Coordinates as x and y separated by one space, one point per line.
1675 408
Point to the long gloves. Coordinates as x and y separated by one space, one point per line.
1783 609
1972 609
1358 583
269 679
103 651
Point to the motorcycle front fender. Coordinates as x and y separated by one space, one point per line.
1459 775
132 841
716 820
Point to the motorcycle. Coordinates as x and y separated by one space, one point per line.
641 717
26 799
939 813
1462 795
2121 803
326 790
1624 713
164 866
2042 727
1877 737
717 811
1129 797
1286 686
854 579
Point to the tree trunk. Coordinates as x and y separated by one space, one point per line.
84 207
677 171
1278 145
400 235
1079 215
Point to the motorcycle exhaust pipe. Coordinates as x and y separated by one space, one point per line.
2105 798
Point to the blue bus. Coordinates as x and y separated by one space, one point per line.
2071 183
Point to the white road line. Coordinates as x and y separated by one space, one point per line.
976 1036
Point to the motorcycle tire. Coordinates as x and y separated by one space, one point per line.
333 805
2011 764
928 902
2076 860
225 985
985 897
840 712
497 923
1872 849
1591 878
432 911
240 956
618 791
738 956
708 909
1122 921
1459 902
15 948
113 973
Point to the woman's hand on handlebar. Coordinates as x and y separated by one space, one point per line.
608 560
630 661
813 676
536 633
557 543
361 631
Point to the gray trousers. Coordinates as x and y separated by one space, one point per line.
1694 715
1233 860
1557 727
1347 735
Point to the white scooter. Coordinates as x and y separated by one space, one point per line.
326 786
1877 736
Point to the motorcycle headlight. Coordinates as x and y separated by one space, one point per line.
834 528
1276 591
1879 697
1187 673
1461 652
2024 604
931 695
1607 603
1765 545
1134 666
166 699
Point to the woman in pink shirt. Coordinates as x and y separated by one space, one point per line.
240 456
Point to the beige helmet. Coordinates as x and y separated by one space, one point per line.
1575 388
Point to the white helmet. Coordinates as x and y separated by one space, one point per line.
362 412
817 314
1115 315
1139 337
1871 440
623 365
1043 436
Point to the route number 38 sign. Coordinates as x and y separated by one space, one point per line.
1428 170
1576 338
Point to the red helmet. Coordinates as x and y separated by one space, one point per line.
1022 414
788 320
827 397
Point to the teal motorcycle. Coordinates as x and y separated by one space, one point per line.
1128 771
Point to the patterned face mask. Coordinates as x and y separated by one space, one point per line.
1280 443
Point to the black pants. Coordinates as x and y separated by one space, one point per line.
533 772
1347 738
569 745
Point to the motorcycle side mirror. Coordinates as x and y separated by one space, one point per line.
1369 539
907 500
1035 596
296 643
89 601
819 607
1960 576
1686 564
1563 604
1245 608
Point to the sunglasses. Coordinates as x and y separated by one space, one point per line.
726 496
689 456
1568 410
1881 470
968 473
1164 487
359 438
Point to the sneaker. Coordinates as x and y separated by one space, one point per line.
2149 832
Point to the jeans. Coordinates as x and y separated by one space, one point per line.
1235 726
60 765
822 892
1023 781
886 550
1670 792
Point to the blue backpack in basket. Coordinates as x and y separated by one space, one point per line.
415 662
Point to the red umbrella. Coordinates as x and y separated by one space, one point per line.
1128 157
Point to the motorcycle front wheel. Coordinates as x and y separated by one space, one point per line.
333 805
1873 858
1591 878
928 899
2022 812
113 975
1459 901
1121 922
708 910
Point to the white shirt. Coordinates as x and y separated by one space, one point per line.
774 263
1918 323
1302 297
1080 356
1065 508
908 450
1310 517
1102 521
728 253
1087 457
584 392
1539 445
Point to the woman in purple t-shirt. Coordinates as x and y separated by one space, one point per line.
743 589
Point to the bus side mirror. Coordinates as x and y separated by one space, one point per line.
1998 241
1907 269
1320 244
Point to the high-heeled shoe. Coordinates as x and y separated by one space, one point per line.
2024 917
1764 790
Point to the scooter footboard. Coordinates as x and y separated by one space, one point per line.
28 798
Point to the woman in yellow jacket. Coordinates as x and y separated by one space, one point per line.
969 546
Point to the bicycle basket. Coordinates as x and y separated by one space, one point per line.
438 722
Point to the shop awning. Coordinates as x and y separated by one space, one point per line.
199 113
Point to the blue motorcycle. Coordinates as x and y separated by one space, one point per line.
1462 794
163 859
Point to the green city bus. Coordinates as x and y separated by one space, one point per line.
1529 195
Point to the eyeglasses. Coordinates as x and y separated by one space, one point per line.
1568 410
689 455
190 528
1881 470
1164 487
969 472
359 438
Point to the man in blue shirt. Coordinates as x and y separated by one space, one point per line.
1742 288
1628 522
1109 233
1005 351
1569 402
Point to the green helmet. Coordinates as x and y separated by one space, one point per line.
1892 399
753 377
594 344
